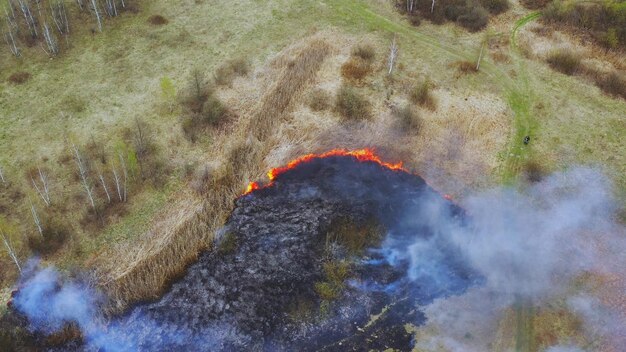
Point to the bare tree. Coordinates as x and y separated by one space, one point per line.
2 176
51 42
30 19
104 186
59 16
81 4
10 34
117 184
110 7
84 180
11 251
96 11
33 211
410 6
44 191
125 173
432 7
393 54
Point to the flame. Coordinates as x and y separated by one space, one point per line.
361 155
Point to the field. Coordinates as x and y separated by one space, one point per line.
99 91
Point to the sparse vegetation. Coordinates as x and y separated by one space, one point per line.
319 100
421 95
604 21
19 77
355 235
335 274
564 61
355 69
364 51
201 107
157 20
225 74
54 235
612 84
350 104
466 67
408 118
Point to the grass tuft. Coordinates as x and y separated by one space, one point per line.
157 20
364 51
319 100
355 68
408 118
351 105
612 84
19 77
421 95
564 61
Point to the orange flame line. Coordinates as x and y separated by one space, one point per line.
362 155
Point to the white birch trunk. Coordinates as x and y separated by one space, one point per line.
11 252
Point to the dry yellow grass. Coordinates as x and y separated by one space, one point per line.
142 269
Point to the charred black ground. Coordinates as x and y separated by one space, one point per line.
264 287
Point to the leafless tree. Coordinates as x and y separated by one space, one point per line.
84 180
30 19
410 6
125 173
110 8
432 7
33 211
96 11
81 4
118 186
2 176
11 251
393 54
51 42
104 186
59 16
44 191
11 33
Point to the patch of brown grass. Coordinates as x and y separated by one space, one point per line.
355 68
157 20
466 67
319 100
564 61
19 77
421 95
612 84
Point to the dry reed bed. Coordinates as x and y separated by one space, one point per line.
134 272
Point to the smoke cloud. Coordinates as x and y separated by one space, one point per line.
525 245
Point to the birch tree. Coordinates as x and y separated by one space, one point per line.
118 186
2 179
33 212
104 186
59 17
43 191
84 180
96 11
11 251
30 19
393 54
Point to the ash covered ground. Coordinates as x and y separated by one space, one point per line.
272 252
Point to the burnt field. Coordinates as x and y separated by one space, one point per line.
322 258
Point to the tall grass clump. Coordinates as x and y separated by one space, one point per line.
612 84
408 118
364 51
225 74
350 104
564 61
421 95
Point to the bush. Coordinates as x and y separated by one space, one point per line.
421 95
53 237
19 77
364 51
157 20
473 18
495 6
564 61
408 118
415 20
612 84
350 104
213 111
319 100
355 68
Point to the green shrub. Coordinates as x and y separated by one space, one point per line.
213 111
564 61
351 105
